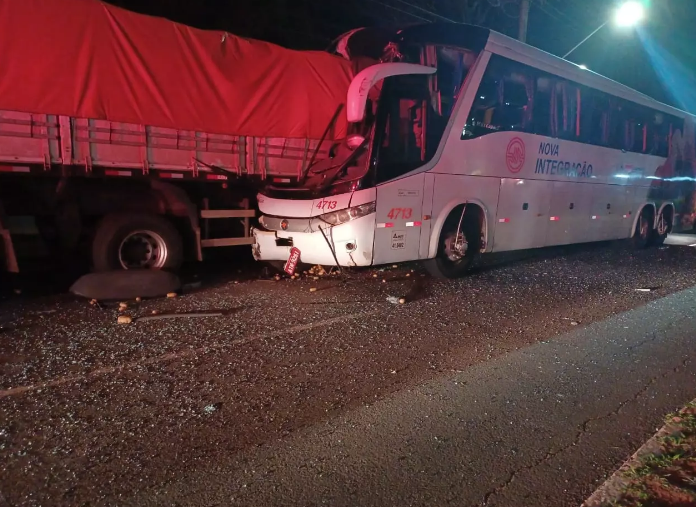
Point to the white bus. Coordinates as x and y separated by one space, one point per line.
465 141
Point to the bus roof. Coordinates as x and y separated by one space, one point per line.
478 38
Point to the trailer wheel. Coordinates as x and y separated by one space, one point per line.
136 241
457 249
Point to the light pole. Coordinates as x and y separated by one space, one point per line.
628 14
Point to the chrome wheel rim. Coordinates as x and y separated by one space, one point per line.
456 247
661 225
142 250
643 227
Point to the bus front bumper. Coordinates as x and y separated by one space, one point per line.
351 242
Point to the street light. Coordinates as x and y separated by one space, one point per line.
628 14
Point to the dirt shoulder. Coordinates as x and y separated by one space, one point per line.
661 474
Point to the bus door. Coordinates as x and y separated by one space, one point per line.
408 130
399 220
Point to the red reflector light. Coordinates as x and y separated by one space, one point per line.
117 173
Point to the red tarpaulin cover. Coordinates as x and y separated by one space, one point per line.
88 59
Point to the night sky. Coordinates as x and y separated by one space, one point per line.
658 59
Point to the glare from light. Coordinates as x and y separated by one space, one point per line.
630 14
354 141
583 67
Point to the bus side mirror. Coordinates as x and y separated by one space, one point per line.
366 79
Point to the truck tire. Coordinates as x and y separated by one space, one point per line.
136 241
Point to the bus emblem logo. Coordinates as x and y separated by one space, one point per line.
515 155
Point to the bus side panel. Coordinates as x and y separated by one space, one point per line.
452 190
569 218
523 214
399 219
618 199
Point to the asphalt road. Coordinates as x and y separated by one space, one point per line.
526 383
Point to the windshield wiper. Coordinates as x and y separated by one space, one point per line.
332 177
305 170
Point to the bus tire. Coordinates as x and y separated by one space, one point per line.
664 227
136 241
450 261
643 232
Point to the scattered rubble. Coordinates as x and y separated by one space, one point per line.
124 319
209 409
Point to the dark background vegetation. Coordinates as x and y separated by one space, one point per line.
658 58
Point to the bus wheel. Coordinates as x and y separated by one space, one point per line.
641 238
457 249
664 227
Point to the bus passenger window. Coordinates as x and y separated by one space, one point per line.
515 105
480 119
617 125
500 105
658 135
503 102
594 117
634 130
541 121
566 108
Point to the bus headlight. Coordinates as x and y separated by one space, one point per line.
346 215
